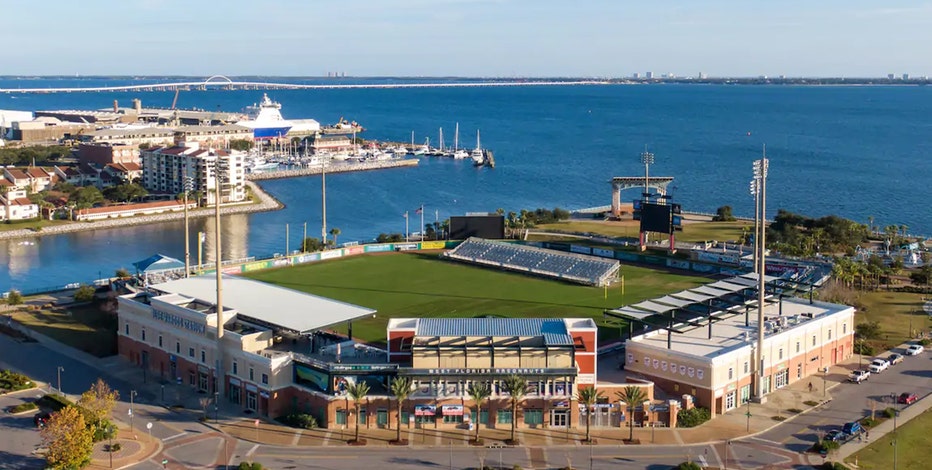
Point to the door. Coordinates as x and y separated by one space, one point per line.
558 418
251 401
730 400
381 418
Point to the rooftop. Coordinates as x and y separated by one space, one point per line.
269 304
553 330
730 333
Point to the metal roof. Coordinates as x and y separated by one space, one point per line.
653 307
727 286
553 330
668 300
278 306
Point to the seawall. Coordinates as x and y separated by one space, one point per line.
378 165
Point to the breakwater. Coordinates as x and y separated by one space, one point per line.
266 203
340 168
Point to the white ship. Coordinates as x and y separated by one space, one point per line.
265 119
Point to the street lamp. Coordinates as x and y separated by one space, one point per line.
110 448
132 394
60 370
216 407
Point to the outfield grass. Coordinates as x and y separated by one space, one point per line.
692 232
85 328
914 440
421 285
896 312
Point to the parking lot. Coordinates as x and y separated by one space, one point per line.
20 436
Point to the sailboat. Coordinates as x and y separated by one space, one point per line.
457 151
415 150
478 157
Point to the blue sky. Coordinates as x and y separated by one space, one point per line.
466 37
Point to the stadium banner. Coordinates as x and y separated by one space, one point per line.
433 245
425 410
452 410
353 250
452 244
776 269
603 252
720 258
232 269
624 255
580 249
313 376
704 268
378 248
405 246
310 257
256 266
677 264
281 262
330 254
654 260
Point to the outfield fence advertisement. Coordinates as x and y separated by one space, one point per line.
379 248
331 254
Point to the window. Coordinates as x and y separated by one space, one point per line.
190 352
203 356
265 378
799 371
780 354
160 341
503 417
731 373
829 333
234 367
143 334
534 416
813 340
126 329
745 367
844 328
251 376
797 346
341 417
177 347
452 418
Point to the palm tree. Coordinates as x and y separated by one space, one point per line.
335 232
631 395
479 392
401 388
516 387
589 396
870 223
357 392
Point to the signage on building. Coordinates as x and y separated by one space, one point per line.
177 321
585 379
264 394
561 404
234 381
425 410
501 371
252 388
365 367
452 410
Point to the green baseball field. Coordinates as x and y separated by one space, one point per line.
423 285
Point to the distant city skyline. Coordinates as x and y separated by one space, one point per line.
468 38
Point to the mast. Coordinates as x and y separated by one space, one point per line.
441 139
456 138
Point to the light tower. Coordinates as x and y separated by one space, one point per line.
755 192
220 170
647 159
760 176
188 187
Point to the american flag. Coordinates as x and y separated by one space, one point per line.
419 209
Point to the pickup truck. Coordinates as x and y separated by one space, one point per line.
879 365
859 376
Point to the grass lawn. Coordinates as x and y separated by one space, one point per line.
913 443
421 285
85 328
692 232
896 312
30 224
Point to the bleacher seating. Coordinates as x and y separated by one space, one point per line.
573 267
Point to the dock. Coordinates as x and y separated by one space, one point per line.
316 170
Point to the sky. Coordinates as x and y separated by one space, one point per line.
469 38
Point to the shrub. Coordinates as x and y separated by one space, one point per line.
23 407
688 466
13 381
810 403
14 297
863 348
85 293
925 342
824 446
517 467
299 420
794 410
869 422
889 413
249 466
834 466
103 431
54 402
692 417
114 447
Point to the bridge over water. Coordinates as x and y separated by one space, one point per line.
220 82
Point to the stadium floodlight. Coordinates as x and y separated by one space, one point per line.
754 189
647 159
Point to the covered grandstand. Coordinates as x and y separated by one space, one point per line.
582 269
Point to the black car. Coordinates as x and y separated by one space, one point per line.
835 435
40 419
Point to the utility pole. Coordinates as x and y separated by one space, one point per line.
323 204
760 175
132 394
188 182
218 179
60 369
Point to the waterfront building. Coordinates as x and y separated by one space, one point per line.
649 75
131 210
705 341
212 136
105 153
324 144
14 205
303 127
121 173
46 130
164 171
134 136
31 179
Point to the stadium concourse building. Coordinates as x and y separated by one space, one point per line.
280 359
703 340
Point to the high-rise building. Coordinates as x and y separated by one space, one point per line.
905 76
164 170
650 75
890 76
636 75
703 76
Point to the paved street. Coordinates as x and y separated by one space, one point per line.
188 443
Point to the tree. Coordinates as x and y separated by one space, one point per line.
515 386
14 297
632 396
99 401
87 196
478 392
85 293
723 214
312 244
125 192
68 439
122 273
335 232
589 396
401 389
357 392
241 144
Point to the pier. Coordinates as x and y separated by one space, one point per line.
316 170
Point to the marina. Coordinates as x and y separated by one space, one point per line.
334 168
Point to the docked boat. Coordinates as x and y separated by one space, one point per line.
478 157
458 153
265 119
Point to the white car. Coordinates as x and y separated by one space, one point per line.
879 365
859 376
914 350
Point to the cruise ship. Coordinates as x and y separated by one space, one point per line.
265 119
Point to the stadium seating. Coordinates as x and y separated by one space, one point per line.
573 267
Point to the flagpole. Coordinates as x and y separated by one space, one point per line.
422 221
406 226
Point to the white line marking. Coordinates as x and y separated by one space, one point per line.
175 436
252 450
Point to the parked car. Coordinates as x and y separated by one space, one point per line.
852 429
895 359
859 376
879 365
835 435
914 350
41 419
907 398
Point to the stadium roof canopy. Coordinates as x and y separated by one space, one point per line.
268 304
157 263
